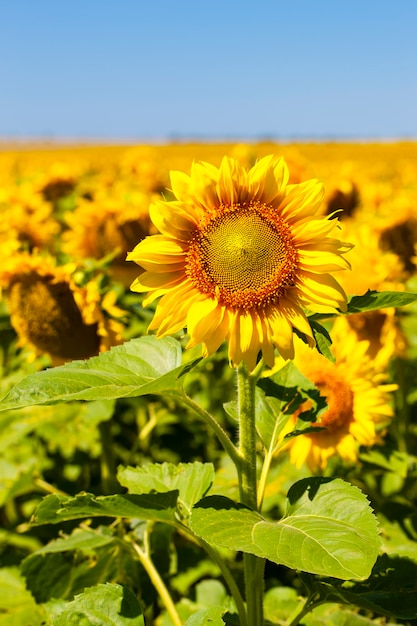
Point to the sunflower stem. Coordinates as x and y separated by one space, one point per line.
253 565
158 583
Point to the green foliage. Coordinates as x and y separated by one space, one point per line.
155 506
109 605
96 494
192 480
139 367
328 529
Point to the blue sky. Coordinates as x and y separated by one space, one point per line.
163 69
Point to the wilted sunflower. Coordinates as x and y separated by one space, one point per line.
240 254
357 396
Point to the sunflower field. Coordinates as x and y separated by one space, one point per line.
208 406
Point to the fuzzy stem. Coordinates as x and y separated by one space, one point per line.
253 565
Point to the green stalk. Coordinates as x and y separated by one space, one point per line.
226 573
158 583
253 565
107 460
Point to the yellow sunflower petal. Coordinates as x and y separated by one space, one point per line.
203 318
171 312
322 262
212 342
171 219
232 184
302 200
266 180
180 184
322 290
282 334
154 253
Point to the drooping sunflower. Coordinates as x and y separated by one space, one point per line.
53 313
357 396
239 257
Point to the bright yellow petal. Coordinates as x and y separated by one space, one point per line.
232 187
266 180
159 254
302 200
322 262
180 184
282 334
173 220
149 281
203 318
171 312
321 290
213 342
297 318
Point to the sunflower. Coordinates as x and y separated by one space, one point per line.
358 402
240 254
377 270
27 217
53 313
109 224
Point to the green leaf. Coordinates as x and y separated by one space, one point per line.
372 300
84 540
391 590
109 604
285 391
328 529
55 509
138 367
280 603
323 340
207 617
192 480
17 605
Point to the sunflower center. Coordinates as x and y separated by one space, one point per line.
243 257
45 313
339 397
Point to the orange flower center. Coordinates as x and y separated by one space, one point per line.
244 256
339 397
45 313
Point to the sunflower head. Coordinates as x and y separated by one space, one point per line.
53 314
240 255
357 398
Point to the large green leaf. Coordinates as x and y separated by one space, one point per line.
192 480
328 529
55 509
373 300
138 367
17 605
109 604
